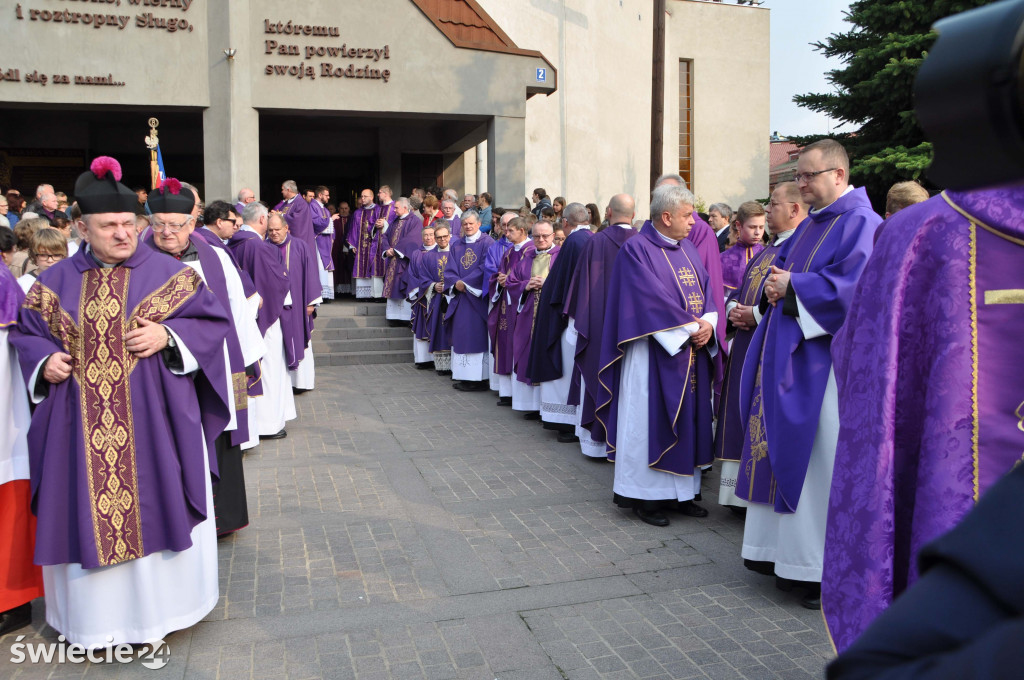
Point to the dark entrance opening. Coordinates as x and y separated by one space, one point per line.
55 145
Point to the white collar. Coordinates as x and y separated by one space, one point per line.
246 227
666 238
290 199
429 248
849 188
519 246
444 250
474 238
580 227
719 232
783 236
621 224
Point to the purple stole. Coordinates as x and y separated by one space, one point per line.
304 284
324 242
501 320
784 374
361 238
121 423
734 263
730 431
379 240
930 403
434 265
404 236
467 313
10 300
415 279
587 305
657 286
522 336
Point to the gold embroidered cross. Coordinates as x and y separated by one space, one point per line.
695 301
468 259
687 276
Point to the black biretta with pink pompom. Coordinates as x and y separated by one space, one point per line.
99 190
170 197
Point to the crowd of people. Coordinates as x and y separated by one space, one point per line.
779 342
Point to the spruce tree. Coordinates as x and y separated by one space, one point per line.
874 89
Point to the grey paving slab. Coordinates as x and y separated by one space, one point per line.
406 530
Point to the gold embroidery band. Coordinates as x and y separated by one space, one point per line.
106 402
240 387
1009 296
47 303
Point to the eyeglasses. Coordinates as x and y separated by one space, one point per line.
441 237
170 227
808 176
52 257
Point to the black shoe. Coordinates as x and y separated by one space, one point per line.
444 372
648 512
567 438
531 415
504 401
297 390
425 365
812 600
698 497
691 509
279 435
471 386
738 511
16 618
785 584
766 568
326 301
394 323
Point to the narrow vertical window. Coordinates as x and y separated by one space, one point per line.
686 121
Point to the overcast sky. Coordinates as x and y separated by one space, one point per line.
796 67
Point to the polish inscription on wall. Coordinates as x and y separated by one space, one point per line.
308 52
106 16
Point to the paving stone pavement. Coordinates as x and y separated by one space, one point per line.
407 531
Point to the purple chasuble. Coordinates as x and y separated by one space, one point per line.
116 449
261 261
299 216
658 286
416 279
586 305
546 348
494 255
433 265
321 219
11 300
304 285
405 237
532 264
930 400
731 429
734 262
361 236
467 313
379 240
501 321
784 374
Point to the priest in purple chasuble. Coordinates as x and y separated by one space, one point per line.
525 283
787 388
491 264
417 283
402 239
271 403
931 403
501 320
21 581
467 305
323 228
588 295
450 211
433 266
122 349
751 218
297 213
656 375
304 289
786 211
360 235
554 334
172 234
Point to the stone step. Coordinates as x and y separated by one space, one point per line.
348 308
327 322
371 345
360 333
364 358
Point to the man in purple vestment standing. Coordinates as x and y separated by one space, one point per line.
122 351
524 284
361 233
588 294
501 320
788 389
297 213
341 251
464 287
786 210
417 283
656 375
402 239
274 404
433 265
929 401
450 210
379 242
491 264
245 197
323 227
751 219
304 287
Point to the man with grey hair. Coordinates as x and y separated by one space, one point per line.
656 375
453 196
720 220
297 214
554 336
451 212
402 239
245 197
36 206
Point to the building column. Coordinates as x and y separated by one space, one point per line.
231 126
506 161
481 168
